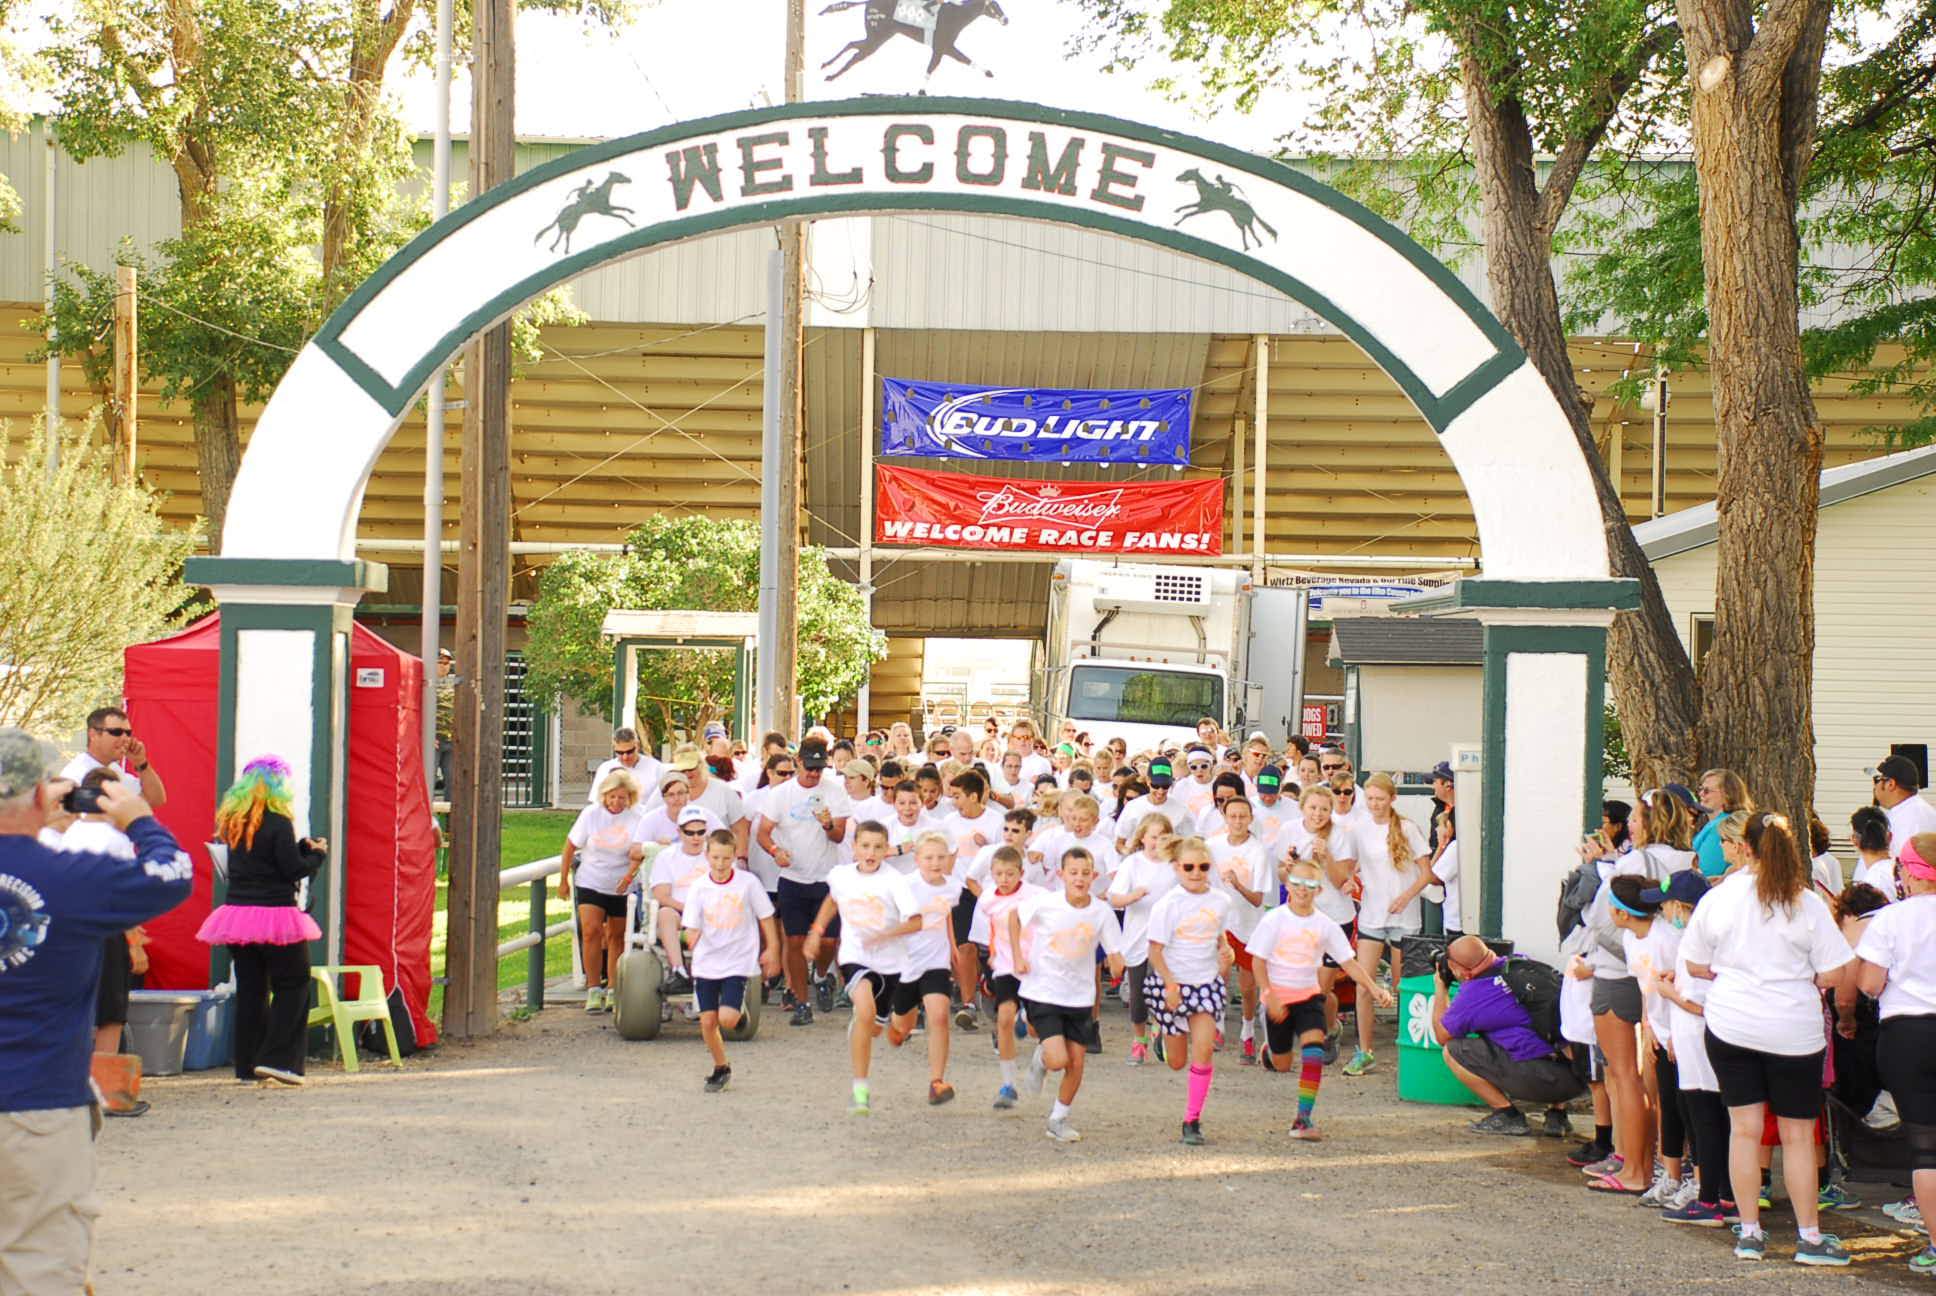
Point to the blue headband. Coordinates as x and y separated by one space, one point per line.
1625 908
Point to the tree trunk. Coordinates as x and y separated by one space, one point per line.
1753 125
218 450
1653 683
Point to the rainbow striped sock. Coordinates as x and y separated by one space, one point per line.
1307 1082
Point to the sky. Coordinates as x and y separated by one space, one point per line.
683 59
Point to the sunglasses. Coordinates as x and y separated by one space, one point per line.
692 832
1332 769
1199 765
115 733
1310 884
622 752
1194 868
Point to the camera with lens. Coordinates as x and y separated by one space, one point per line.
1444 969
82 800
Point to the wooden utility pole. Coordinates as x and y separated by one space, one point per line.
793 278
484 579
125 390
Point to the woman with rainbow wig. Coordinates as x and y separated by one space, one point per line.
262 925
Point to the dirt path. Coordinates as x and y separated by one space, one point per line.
558 1158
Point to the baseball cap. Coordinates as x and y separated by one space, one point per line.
859 768
1685 794
1161 772
714 730
1686 886
692 813
1443 770
1270 778
447 654
1256 735
685 756
24 762
813 754
1899 769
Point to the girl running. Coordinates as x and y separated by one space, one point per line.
927 966
1289 945
1189 956
1057 968
1316 837
1139 884
1245 872
998 900
1391 855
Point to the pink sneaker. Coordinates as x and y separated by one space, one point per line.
1138 1054
1250 1052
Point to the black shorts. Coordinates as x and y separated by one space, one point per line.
1791 1086
613 905
1619 996
1351 937
882 984
1906 1061
908 994
117 975
1005 989
964 915
1049 1020
1285 1037
1548 1081
714 993
798 904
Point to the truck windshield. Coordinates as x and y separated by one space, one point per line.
1132 695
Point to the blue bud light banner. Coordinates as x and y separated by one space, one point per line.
1035 424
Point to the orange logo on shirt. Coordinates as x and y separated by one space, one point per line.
727 912
869 913
1298 949
612 837
1072 943
1201 926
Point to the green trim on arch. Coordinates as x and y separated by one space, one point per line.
318 572
1438 410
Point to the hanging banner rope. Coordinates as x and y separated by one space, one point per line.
963 511
1036 424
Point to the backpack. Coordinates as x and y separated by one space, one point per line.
1577 890
1537 989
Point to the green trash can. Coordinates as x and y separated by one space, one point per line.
1422 1075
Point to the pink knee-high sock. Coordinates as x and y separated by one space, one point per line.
1199 1090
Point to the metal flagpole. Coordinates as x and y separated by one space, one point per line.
774 462
50 238
866 537
433 563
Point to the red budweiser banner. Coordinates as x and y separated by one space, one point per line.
962 511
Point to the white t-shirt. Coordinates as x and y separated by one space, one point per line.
1293 947
1647 957
656 826
870 903
674 868
727 917
1034 766
603 842
1332 903
1181 821
933 947
1198 798
990 926
1190 928
962 831
646 774
84 764
1384 878
723 799
1062 947
1138 872
1901 939
1764 965
1689 1029
1908 817
1827 873
873 807
756 857
1881 875
1656 863
1054 842
1446 870
1252 864
797 830
1269 821
900 839
91 837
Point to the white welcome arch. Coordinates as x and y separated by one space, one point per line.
288 575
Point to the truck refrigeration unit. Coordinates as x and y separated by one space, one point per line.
1142 652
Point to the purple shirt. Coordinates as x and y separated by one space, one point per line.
1484 1006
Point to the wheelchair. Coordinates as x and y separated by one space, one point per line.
641 1006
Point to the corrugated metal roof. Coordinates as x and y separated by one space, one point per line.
1406 641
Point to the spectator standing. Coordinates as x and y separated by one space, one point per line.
111 742
446 682
714 795
1896 786
59 908
1722 793
1869 832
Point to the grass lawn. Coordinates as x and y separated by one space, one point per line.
527 835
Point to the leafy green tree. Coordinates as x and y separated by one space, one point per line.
674 563
87 567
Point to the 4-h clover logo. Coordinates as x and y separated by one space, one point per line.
1418 1021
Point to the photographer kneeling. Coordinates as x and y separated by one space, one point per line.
1492 1046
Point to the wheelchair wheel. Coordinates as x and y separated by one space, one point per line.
749 1022
636 1001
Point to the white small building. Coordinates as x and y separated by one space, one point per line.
1875 617
1412 688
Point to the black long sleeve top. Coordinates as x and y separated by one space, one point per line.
268 870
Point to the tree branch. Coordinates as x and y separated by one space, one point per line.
1801 86
1764 63
1573 156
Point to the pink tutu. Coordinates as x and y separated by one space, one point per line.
258 925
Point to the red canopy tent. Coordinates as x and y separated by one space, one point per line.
390 851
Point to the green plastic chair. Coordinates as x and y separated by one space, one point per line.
370 1004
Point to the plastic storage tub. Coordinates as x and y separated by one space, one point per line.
211 1030
1422 1074
158 1022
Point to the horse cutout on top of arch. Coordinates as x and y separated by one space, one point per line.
301 481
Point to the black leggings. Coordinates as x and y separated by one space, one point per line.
1707 1129
271 1007
1133 991
1673 1121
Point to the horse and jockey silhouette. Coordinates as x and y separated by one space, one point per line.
1220 195
934 23
587 199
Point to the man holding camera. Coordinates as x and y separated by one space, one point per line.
55 910
1491 1046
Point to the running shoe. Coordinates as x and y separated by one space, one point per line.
823 993
719 1079
1904 1212
1507 1120
1063 1132
1750 1248
1826 1252
1835 1197
967 1019
1924 1262
278 1075
1006 1098
1556 1126
1156 1049
594 999
1192 1133
862 1102
802 1014
1219 1044
841 998
1660 1191
940 1091
1689 1194
1883 1114
1611 1164
1095 1039
1699 1214
1730 1212
1036 1073
1138 1054
1250 1052
677 983
1766 1196
1330 1052
1361 1062
1305 1132
1587 1154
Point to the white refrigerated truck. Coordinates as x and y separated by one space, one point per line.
1143 651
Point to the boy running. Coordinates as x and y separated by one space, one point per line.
999 899
1057 967
1287 947
926 973
872 903
731 919
1189 956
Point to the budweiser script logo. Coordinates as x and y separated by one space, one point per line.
1018 503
